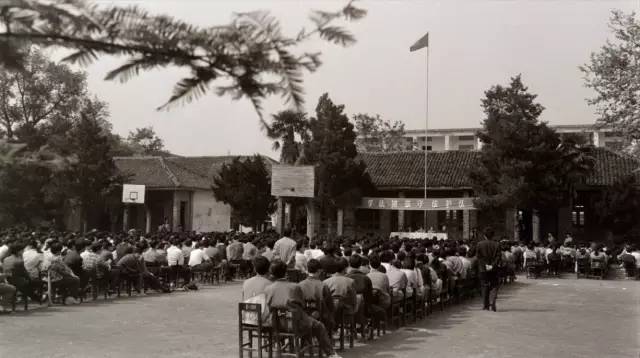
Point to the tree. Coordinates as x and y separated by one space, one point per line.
38 97
55 150
288 130
614 74
245 184
378 135
250 57
341 179
617 208
524 163
93 177
146 140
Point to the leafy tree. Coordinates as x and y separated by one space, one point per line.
146 140
524 163
378 135
38 97
618 207
249 57
245 184
341 179
93 176
614 74
289 129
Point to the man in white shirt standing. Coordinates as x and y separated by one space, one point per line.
285 249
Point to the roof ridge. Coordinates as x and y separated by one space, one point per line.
170 174
620 153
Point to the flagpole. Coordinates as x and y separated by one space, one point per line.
426 137
420 44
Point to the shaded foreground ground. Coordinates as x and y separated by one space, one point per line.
536 318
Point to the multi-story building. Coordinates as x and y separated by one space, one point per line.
467 139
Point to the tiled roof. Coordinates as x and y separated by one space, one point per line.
611 167
148 171
448 169
388 171
174 172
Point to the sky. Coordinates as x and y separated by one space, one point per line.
473 46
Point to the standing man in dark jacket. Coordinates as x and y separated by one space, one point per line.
488 253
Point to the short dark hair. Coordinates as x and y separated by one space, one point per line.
261 264
56 248
488 232
287 232
355 261
278 269
387 256
313 266
374 261
341 264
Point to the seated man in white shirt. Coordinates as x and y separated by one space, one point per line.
255 285
175 261
198 260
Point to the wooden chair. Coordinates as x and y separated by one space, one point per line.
345 323
409 307
420 312
444 293
314 309
264 335
395 313
597 270
20 293
582 267
288 341
380 325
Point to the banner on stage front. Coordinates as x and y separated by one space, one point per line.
417 204
133 194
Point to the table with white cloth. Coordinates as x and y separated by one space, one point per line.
420 235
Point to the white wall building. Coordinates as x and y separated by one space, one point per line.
466 138
178 190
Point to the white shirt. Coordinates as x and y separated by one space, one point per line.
4 251
636 254
175 256
313 254
301 262
197 257
32 261
84 254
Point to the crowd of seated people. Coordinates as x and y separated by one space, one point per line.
584 259
361 278
75 264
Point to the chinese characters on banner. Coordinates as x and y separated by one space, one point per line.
417 204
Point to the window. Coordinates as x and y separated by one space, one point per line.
577 216
466 137
428 147
466 147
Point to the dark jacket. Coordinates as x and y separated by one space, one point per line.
488 253
363 286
